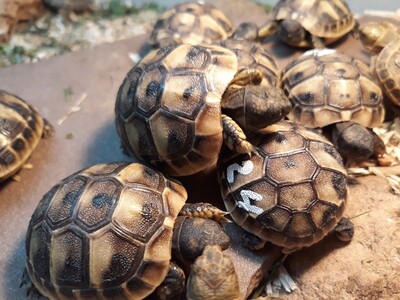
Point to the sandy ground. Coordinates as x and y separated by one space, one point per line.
368 267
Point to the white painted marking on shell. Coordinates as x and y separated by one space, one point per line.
248 195
245 169
320 52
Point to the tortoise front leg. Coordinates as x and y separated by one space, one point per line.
268 29
317 42
235 138
245 77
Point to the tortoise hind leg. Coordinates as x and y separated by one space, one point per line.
235 138
317 42
172 286
344 230
48 129
356 142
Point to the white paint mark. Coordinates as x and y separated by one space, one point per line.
248 195
320 52
244 169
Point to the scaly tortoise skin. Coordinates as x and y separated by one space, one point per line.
104 232
324 21
168 108
194 23
21 128
212 277
383 39
293 193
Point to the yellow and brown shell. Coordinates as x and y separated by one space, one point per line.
329 19
21 128
168 109
213 277
194 23
328 86
254 56
387 67
104 233
291 194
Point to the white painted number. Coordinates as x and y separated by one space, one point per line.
248 195
245 169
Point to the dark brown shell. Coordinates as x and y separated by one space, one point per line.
193 23
328 86
168 109
21 128
293 193
104 232
330 19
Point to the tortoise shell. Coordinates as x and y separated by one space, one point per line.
168 109
329 19
328 86
213 276
104 233
387 67
254 56
194 23
374 36
21 128
291 194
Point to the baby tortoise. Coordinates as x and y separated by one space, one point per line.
213 277
310 23
383 40
292 194
170 107
332 90
195 23
106 232
21 128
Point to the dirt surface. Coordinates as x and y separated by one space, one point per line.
366 268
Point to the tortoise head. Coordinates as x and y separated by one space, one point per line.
246 31
254 103
254 107
292 32
263 106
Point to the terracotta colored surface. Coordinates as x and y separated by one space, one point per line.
88 136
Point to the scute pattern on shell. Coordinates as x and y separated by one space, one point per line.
104 232
193 23
328 86
293 193
213 277
323 18
21 128
254 56
168 108
388 70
